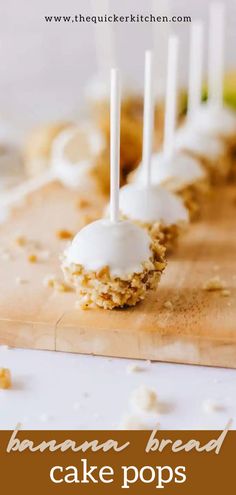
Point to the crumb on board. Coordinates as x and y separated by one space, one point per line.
49 280
225 292
83 304
214 284
64 234
24 242
144 399
83 203
32 258
5 378
168 305
53 282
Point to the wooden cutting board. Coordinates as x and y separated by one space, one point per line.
199 329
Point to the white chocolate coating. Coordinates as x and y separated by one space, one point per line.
73 152
122 246
215 121
174 172
155 204
188 138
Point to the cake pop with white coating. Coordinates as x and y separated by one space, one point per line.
194 138
172 170
213 118
161 212
113 263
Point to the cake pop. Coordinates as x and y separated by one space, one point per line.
175 171
113 263
153 207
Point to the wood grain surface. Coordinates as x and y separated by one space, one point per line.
200 328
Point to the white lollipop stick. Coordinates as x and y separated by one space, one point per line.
114 145
195 67
171 95
18 193
160 35
148 115
216 53
104 37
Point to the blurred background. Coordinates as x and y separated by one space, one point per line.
45 66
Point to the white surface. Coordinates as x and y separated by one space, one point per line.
67 391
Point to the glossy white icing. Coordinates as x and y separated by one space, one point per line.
154 204
175 171
122 246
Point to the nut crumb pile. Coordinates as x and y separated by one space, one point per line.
112 292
